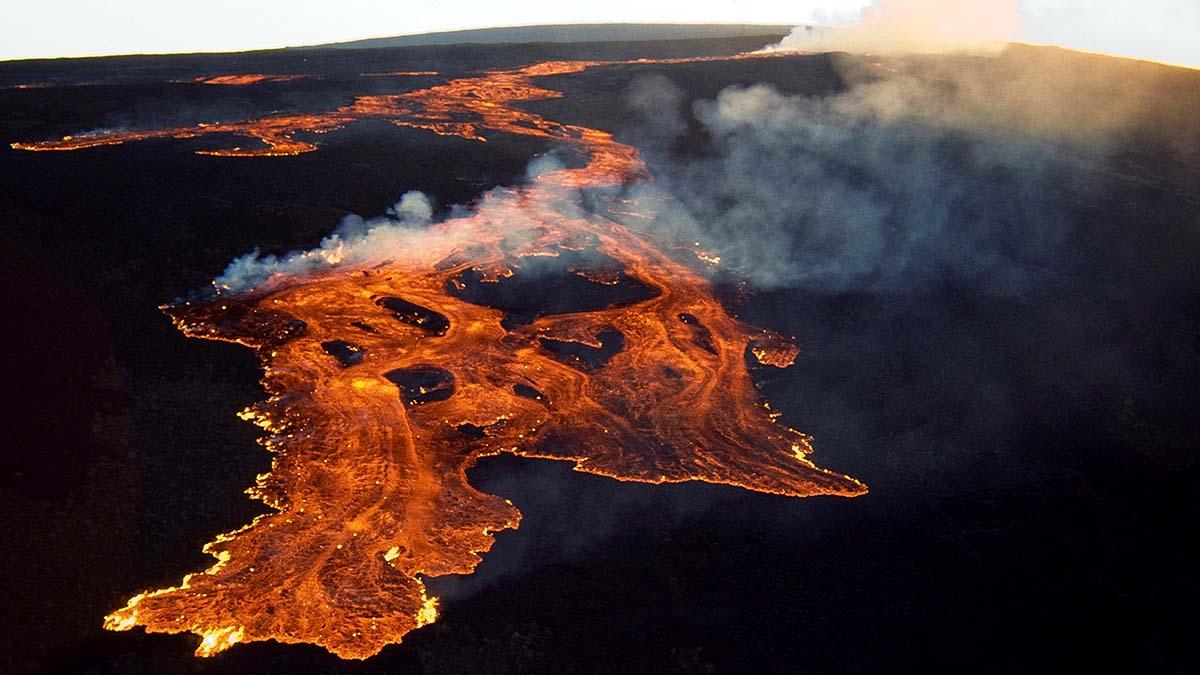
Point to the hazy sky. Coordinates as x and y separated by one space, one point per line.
1158 29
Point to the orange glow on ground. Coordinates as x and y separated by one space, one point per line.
456 108
403 73
368 485
242 80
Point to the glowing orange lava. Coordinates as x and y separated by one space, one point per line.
458 108
387 381
243 80
403 73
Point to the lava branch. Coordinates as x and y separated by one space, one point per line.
462 107
388 378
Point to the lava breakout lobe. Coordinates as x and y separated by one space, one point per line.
390 375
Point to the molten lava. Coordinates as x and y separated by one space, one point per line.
403 73
247 79
458 108
390 374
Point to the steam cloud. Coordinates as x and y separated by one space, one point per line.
922 170
406 229
926 26
355 239
1161 30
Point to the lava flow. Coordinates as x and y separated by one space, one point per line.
393 367
439 109
247 79
402 73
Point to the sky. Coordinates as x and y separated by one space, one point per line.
1162 30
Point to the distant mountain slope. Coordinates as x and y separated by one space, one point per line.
571 33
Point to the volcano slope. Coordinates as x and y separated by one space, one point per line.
1024 448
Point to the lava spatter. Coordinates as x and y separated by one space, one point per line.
388 378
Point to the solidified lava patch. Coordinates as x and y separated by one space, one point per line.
347 354
422 384
586 356
389 377
563 282
426 319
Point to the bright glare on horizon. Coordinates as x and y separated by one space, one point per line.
1161 30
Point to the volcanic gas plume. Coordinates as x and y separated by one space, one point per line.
392 367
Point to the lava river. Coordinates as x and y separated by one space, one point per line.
393 371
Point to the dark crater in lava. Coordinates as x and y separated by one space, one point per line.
422 384
584 356
415 315
701 336
526 391
346 353
570 281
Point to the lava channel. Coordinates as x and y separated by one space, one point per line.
389 376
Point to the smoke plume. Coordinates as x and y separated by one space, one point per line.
355 239
916 26
923 169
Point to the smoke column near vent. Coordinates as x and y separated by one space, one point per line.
1155 30
927 26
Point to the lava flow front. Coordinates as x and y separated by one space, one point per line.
393 370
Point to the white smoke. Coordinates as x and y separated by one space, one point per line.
837 195
921 170
1159 30
408 233
355 239
915 26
